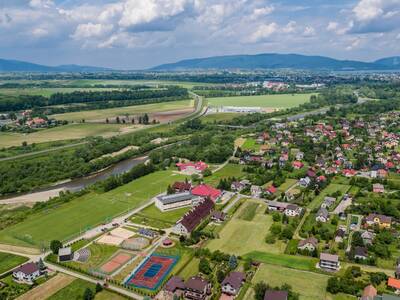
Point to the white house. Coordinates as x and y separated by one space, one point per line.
175 201
322 215
26 273
232 283
292 210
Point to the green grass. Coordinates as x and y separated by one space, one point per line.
48 91
240 237
152 216
191 269
249 211
108 295
99 255
89 210
67 132
251 145
288 261
219 117
333 187
102 114
73 291
10 261
270 101
310 286
287 184
230 170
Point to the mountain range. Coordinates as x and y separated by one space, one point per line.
22 66
280 61
229 62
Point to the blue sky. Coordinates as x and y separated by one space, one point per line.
133 34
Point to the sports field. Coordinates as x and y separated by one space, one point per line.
67 132
10 261
265 101
310 286
88 210
102 114
241 237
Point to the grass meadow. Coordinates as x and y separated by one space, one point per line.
10 261
266 101
87 211
241 237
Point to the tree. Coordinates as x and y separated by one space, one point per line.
170 190
259 290
145 119
220 276
233 263
88 294
204 266
207 172
99 288
24 144
107 120
117 119
55 245
41 265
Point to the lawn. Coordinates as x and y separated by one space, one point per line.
241 237
333 187
66 132
102 114
230 170
219 117
10 261
310 286
287 184
99 255
251 145
269 101
152 216
108 295
249 211
283 260
75 290
191 269
87 211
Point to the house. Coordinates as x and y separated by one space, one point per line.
394 284
197 288
349 172
175 286
381 220
297 164
65 254
218 216
299 155
232 283
360 253
329 261
368 237
339 235
181 186
293 210
322 215
309 244
194 217
305 182
237 186
369 293
276 295
26 273
328 202
206 191
271 190
382 173
378 188
175 201
277 206
192 167
255 191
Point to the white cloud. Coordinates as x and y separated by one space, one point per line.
332 26
263 32
90 30
290 27
355 43
368 9
40 32
262 12
41 3
309 31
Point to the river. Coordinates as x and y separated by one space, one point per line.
43 194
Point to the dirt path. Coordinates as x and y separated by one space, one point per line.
19 250
48 288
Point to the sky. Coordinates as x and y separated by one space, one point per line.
137 34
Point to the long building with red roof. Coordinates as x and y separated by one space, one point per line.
204 190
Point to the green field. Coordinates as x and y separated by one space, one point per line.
47 92
10 261
284 260
75 290
241 237
67 132
267 101
249 211
230 170
152 216
91 209
218 117
310 286
102 114
251 145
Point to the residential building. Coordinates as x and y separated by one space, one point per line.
378 188
329 261
182 186
361 253
339 235
328 202
218 216
276 295
197 288
175 286
256 191
192 167
206 191
232 283
394 284
368 237
369 293
305 182
381 220
322 215
26 273
194 217
309 244
65 254
293 210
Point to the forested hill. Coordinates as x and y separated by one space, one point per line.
22 66
278 61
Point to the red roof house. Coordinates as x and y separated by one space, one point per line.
271 190
198 166
204 190
394 283
297 164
